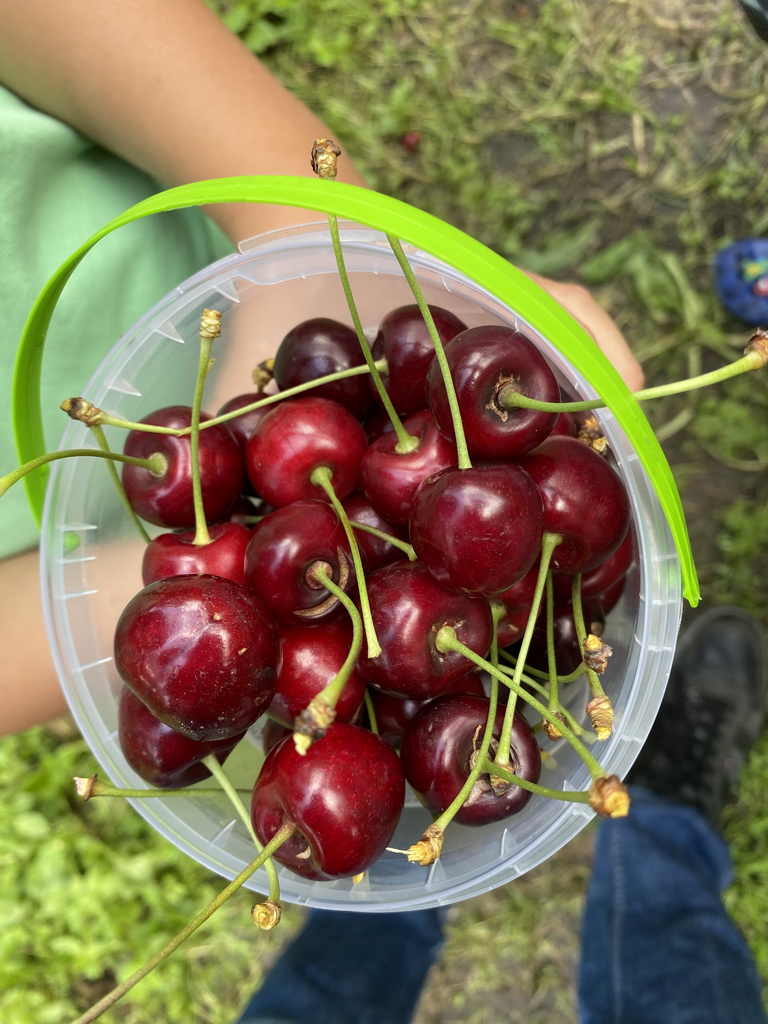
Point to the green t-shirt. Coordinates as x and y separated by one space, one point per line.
56 189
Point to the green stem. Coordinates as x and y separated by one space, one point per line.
155 463
491 768
446 640
120 990
548 544
554 697
401 545
213 765
373 725
101 439
595 686
453 402
321 476
508 398
405 442
202 536
91 788
333 690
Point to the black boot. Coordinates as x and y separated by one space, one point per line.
711 714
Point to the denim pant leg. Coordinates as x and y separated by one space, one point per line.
348 967
657 944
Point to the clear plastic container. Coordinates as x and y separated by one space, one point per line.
92 556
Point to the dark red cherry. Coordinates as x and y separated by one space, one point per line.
242 426
478 530
584 500
167 500
595 582
404 341
200 652
176 554
295 438
409 606
375 551
316 348
484 361
310 657
344 797
286 550
390 478
437 755
160 755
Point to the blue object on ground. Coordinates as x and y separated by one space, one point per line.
741 280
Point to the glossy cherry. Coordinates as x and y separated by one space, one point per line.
437 755
167 500
344 797
160 755
310 657
316 348
176 554
200 652
483 362
287 549
295 438
390 478
584 500
404 341
409 606
242 426
478 530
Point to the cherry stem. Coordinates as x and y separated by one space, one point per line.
298 389
156 463
321 476
531 671
405 442
93 787
595 686
453 402
214 766
401 545
101 439
446 640
548 544
170 947
554 698
373 724
568 795
333 690
544 691
210 328
509 398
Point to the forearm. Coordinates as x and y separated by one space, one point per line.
168 88
29 691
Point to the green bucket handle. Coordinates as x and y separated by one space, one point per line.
396 218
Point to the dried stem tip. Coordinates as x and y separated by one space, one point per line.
757 347
600 711
84 787
210 324
428 848
325 154
609 797
551 729
591 433
266 915
82 410
312 723
264 373
596 653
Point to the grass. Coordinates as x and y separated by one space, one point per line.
614 142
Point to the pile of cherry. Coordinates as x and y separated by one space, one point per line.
278 601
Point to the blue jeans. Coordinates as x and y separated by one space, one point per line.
658 946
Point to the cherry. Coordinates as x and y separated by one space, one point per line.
160 755
315 348
409 606
176 554
200 652
375 550
287 549
604 575
344 797
167 500
310 657
390 478
584 501
478 530
242 426
437 756
404 341
484 361
297 437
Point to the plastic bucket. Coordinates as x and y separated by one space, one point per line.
91 558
